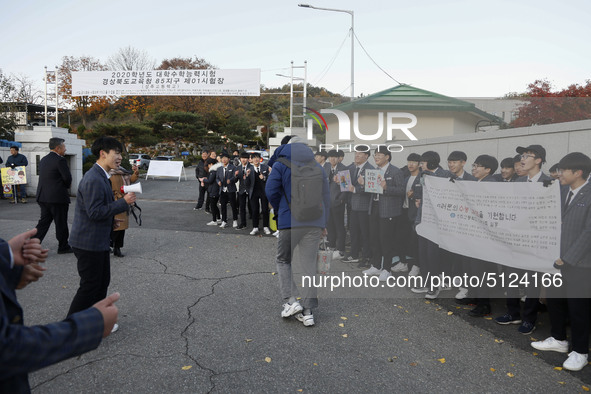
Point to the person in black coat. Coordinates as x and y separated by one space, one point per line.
52 194
201 175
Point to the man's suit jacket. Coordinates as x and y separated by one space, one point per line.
54 180
543 178
26 349
337 197
94 213
242 188
575 245
390 202
230 176
466 177
412 206
250 179
359 199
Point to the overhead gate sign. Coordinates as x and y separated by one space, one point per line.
245 82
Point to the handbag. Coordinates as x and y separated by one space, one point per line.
323 259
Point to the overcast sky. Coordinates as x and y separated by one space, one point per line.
457 48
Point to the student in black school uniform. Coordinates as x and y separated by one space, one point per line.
243 196
507 170
336 218
226 178
256 180
573 299
406 236
532 158
213 189
554 171
483 169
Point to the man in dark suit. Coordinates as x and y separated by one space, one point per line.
532 158
226 178
201 175
52 194
26 349
93 222
574 302
256 180
243 194
360 249
384 210
336 218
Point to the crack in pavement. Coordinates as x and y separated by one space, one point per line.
92 362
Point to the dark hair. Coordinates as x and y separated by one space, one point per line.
106 144
576 161
224 154
244 155
21 172
209 161
431 158
55 142
554 168
205 151
414 157
333 153
384 150
255 154
487 161
235 150
516 159
14 147
321 153
457 155
341 153
508 162
285 139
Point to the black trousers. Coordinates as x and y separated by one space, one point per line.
117 238
532 302
94 269
202 191
225 198
259 202
58 213
360 234
213 206
382 233
243 202
336 228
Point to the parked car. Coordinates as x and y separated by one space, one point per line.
264 155
41 122
139 159
163 158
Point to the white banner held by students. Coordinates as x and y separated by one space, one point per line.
515 224
166 168
244 82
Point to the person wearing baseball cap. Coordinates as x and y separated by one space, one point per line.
532 158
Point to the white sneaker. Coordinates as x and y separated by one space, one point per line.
432 294
266 230
395 259
463 293
336 255
235 223
276 233
308 320
419 290
291 309
400 267
219 221
575 361
254 231
223 224
384 275
371 271
414 271
212 223
115 328
551 344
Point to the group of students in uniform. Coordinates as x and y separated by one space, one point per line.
382 229
239 182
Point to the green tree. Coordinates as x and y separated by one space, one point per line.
177 127
127 133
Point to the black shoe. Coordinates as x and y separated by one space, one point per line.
363 263
466 301
480 311
241 227
64 251
117 252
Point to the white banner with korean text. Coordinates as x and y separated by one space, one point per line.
516 224
245 82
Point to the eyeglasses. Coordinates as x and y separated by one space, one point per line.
526 156
477 165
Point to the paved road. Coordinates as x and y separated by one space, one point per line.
199 312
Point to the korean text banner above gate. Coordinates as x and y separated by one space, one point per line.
244 82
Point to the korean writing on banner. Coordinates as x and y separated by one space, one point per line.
167 83
515 224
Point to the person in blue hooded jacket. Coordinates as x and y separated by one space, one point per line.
294 233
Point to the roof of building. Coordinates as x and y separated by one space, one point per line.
409 98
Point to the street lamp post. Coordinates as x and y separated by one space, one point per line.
352 41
